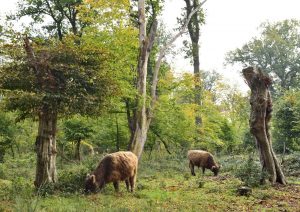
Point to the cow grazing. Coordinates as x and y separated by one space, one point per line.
202 159
115 167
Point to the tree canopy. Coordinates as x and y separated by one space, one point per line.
276 51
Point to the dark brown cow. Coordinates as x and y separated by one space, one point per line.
202 159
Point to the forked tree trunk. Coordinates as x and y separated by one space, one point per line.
143 114
260 116
139 135
46 149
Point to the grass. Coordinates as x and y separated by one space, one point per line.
164 184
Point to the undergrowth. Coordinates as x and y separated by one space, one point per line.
164 184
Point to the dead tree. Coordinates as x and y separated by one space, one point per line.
260 116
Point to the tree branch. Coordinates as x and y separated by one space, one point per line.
30 54
161 55
162 140
152 35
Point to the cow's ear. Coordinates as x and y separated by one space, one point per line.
93 178
88 175
213 167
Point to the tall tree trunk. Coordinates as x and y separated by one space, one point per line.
46 149
198 86
261 109
139 136
194 32
143 115
117 134
130 121
46 138
77 150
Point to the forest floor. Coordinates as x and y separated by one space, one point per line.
162 185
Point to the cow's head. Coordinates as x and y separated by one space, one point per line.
90 183
215 169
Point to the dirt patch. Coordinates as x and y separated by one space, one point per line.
219 177
283 197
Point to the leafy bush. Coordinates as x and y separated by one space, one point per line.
291 164
5 188
250 172
230 163
72 181
2 171
23 166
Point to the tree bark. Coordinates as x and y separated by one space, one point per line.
139 136
46 149
260 117
46 138
143 114
194 33
117 134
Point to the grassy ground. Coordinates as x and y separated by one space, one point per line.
164 184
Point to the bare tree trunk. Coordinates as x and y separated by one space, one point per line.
143 115
139 136
117 135
261 109
46 149
194 32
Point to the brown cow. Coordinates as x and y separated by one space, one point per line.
115 167
202 159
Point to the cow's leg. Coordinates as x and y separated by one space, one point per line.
116 185
203 170
192 168
127 184
131 181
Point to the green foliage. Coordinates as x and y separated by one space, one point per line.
5 189
22 165
224 112
286 122
275 51
106 134
249 144
61 15
74 82
250 172
291 164
164 183
77 129
71 181
8 133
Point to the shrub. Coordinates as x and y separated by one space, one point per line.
250 172
291 164
72 181
5 189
